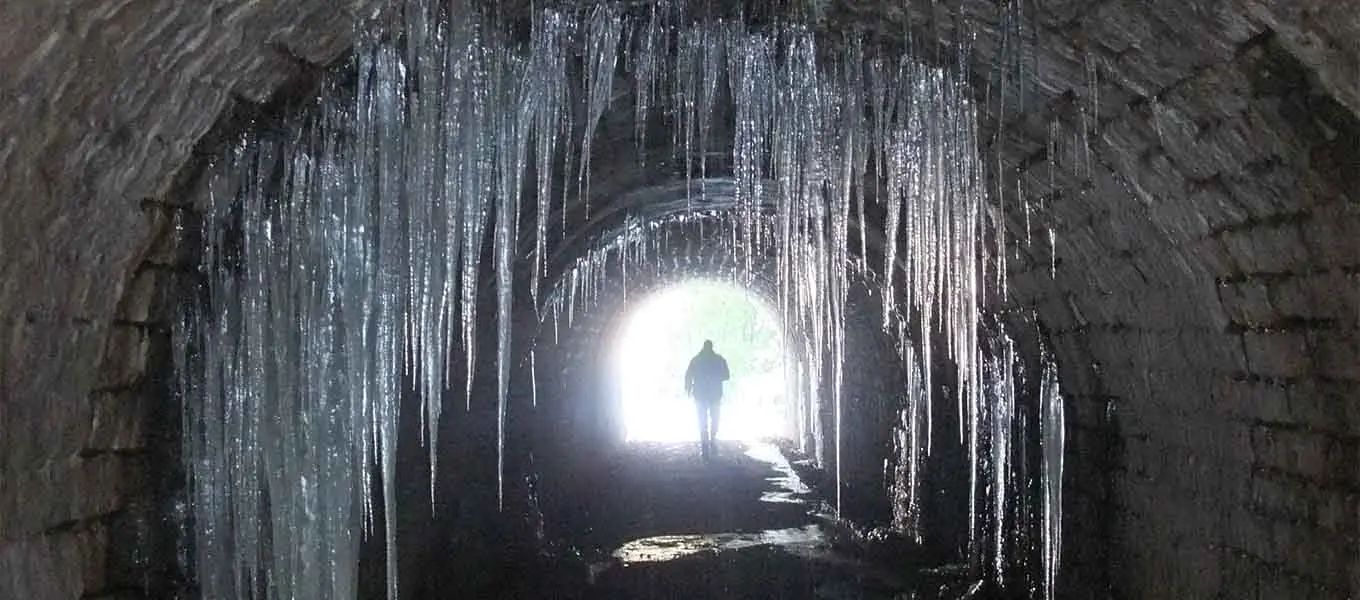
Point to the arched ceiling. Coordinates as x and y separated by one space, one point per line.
1201 246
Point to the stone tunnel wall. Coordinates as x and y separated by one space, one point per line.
1204 308
103 102
1203 304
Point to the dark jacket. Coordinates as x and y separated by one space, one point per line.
706 373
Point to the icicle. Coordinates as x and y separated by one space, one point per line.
602 48
1052 433
513 148
548 80
651 42
1002 417
478 153
533 378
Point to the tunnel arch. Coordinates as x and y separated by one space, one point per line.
1256 292
700 256
633 348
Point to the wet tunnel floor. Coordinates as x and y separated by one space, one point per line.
656 521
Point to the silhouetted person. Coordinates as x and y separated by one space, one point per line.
704 381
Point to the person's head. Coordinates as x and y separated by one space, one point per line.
708 345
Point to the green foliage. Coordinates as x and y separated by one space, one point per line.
744 332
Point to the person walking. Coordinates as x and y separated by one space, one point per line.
704 382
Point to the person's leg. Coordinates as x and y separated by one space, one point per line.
713 412
701 408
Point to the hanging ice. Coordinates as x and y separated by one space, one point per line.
342 261
1052 435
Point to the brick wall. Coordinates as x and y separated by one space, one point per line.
1204 306
103 103
1203 301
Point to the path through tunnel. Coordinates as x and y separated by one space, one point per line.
314 299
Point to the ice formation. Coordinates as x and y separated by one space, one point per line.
345 260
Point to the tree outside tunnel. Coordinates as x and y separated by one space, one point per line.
661 334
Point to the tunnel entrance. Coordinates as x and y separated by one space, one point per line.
660 335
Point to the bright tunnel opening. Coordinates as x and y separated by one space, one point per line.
666 330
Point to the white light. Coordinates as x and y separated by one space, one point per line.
665 331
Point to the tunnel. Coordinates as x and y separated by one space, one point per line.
319 299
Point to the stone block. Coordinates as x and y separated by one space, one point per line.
1240 574
1086 411
120 421
1247 302
1134 232
1079 378
1300 452
1249 532
1210 315
1214 256
1311 406
1198 564
1291 298
1337 353
1213 352
1067 72
1343 462
1268 249
1117 275
1333 240
1217 93
1277 583
1277 497
322 32
1150 69
139 295
1341 397
1266 401
1104 347
257 80
1186 391
1159 181
1180 137
1314 554
1156 309
1235 471
1333 512
1216 207
62 493
1268 190
163 248
125 356
1331 295
1233 143
1354 570
1276 353
46 567
1055 313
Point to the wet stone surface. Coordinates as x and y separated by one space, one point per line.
656 521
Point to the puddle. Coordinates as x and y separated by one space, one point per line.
662 548
789 486
784 488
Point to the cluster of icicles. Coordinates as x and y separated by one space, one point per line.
345 258
1016 454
